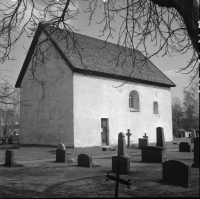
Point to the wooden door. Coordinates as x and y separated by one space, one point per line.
105 131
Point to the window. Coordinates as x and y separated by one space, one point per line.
134 101
155 107
43 56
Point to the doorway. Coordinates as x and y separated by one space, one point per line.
105 131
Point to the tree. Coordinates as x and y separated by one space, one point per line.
9 106
191 103
177 113
172 25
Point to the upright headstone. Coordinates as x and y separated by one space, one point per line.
84 160
185 147
155 153
128 135
193 135
61 155
196 152
118 180
197 132
9 158
143 142
121 145
152 154
176 172
160 137
122 157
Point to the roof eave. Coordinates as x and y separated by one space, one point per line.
120 77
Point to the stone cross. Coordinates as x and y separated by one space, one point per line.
128 135
121 144
145 136
117 179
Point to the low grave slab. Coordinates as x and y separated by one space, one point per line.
177 173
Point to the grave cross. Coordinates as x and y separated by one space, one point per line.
145 136
117 179
128 135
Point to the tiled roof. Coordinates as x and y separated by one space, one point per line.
97 57
100 56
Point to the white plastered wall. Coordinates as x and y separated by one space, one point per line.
48 120
98 97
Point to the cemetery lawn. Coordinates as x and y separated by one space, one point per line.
39 176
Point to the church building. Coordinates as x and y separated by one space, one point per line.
84 93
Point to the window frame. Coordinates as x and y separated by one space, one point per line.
134 104
155 108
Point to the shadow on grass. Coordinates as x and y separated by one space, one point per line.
11 192
163 183
50 189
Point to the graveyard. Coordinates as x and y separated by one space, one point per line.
38 172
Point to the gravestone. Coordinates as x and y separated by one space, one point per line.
128 135
105 149
84 160
122 157
121 145
153 154
61 155
193 135
185 147
9 158
143 142
118 179
176 172
196 152
197 132
160 137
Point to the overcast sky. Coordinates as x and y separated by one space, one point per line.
168 65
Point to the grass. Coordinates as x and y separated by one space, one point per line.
42 177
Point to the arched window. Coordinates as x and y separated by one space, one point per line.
155 107
134 101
